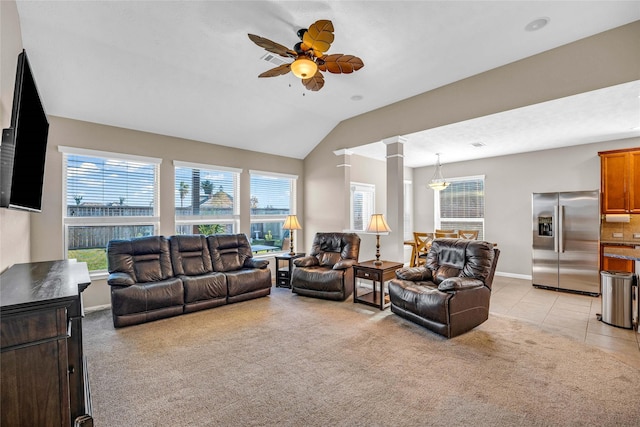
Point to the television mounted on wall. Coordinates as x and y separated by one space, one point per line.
24 145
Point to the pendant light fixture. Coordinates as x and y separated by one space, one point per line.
438 183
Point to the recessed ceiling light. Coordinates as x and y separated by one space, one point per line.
537 24
357 98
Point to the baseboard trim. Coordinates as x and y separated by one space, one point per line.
97 308
514 275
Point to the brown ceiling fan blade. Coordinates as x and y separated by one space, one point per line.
338 63
278 71
319 36
272 46
315 83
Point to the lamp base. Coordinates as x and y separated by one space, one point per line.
377 262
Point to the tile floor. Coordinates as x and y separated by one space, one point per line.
571 315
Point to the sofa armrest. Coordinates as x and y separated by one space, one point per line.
415 274
307 261
256 263
460 283
344 264
120 279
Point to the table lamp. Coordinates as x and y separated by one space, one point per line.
378 225
291 223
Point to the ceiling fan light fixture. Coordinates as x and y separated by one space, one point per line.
438 183
304 68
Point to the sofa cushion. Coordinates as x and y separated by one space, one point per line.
229 252
321 278
140 298
190 255
347 245
145 259
420 298
247 280
204 287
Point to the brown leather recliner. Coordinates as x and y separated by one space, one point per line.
327 271
203 288
143 287
247 277
450 293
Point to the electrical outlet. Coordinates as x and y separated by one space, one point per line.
620 235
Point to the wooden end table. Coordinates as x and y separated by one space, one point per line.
284 266
378 275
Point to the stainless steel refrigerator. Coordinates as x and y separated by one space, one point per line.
566 233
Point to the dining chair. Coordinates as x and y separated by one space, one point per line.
446 234
468 234
422 243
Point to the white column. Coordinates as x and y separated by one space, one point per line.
345 165
394 242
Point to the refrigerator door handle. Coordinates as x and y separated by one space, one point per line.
561 229
555 235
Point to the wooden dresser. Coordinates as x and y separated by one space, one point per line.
43 369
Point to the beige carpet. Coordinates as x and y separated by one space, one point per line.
293 361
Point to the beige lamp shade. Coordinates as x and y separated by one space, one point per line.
291 223
377 224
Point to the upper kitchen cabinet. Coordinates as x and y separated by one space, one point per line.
620 181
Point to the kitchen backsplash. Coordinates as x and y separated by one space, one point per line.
621 232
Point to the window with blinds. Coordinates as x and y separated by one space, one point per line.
272 199
363 199
206 199
461 205
106 196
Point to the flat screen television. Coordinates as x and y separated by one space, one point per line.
24 145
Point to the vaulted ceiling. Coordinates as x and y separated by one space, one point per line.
187 69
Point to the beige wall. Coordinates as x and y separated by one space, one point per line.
600 61
509 183
14 225
46 228
603 60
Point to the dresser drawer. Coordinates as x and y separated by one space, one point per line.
283 274
368 274
24 328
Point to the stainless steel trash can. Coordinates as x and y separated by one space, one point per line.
616 298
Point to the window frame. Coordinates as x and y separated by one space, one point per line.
436 204
233 219
364 188
106 221
277 218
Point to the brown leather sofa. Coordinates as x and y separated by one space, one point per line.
450 293
156 277
327 272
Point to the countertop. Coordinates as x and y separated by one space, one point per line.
635 242
624 253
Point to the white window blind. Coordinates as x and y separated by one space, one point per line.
110 187
106 197
272 199
362 205
408 210
461 205
206 199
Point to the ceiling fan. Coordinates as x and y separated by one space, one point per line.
309 56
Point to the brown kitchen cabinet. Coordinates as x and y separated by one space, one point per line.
620 181
616 264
